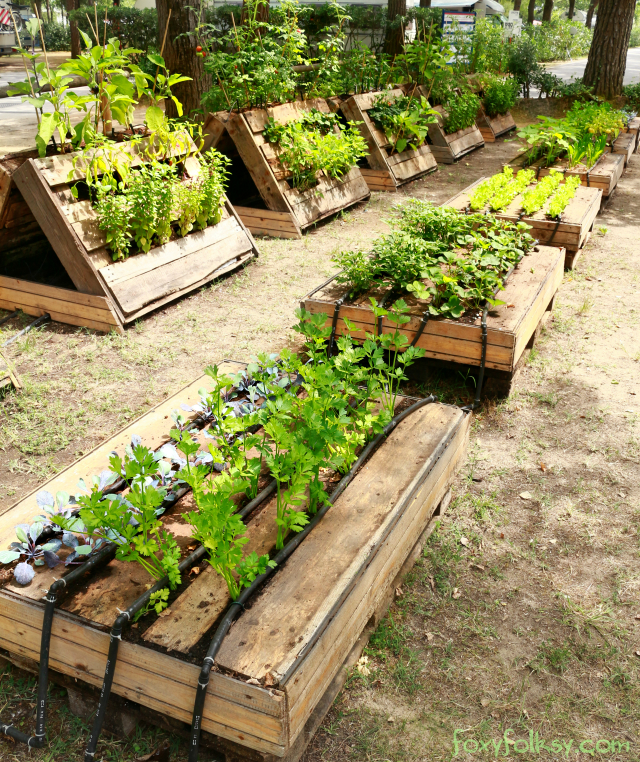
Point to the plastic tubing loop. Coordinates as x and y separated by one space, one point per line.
236 606
37 740
483 361
122 620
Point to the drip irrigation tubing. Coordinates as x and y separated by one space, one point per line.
42 319
122 620
238 605
37 740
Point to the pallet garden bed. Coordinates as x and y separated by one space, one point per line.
528 296
272 683
449 148
388 169
266 200
492 128
571 232
108 294
625 144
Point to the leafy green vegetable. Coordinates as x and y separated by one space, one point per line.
486 190
563 195
507 193
461 112
534 198
404 120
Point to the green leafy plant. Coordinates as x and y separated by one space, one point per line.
404 120
535 197
499 97
461 111
310 144
507 193
563 195
453 262
487 189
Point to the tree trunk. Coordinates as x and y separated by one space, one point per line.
572 8
517 4
531 13
180 53
394 41
73 28
592 6
425 3
608 53
548 10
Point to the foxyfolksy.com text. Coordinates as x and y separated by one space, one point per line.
534 744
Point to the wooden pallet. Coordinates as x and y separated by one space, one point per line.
363 540
112 294
492 127
625 144
387 170
448 149
296 209
571 233
634 128
528 293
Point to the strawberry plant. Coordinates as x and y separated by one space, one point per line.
453 262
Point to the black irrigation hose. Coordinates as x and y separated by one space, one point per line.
37 740
42 319
234 609
116 636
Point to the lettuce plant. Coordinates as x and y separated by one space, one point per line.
534 198
563 195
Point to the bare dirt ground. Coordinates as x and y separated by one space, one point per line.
521 614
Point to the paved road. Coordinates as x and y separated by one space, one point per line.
568 70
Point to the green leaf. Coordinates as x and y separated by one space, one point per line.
48 124
154 117
7 556
156 59
83 550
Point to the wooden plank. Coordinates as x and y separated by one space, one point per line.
63 294
352 110
625 144
311 675
269 223
349 537
604 174
197 609
48 212
213 130
134 267
254 161
199 265
62 317
329 197
58 305
245 713
413 167
379 180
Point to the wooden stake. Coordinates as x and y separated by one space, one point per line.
164 39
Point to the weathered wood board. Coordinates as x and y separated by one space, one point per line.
571 232
387 170
449 148
528 292
634 128
369 533
297 209
126 289
625 144
493 127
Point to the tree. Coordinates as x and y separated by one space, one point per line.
572 8
531 13
179 19
427 3
592 6
517 4
608 53
72 5
548 10
394 41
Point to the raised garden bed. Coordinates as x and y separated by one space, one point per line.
449 148
272 683
493 127
107 294
267 202
625 144
528 296
387 168
571 232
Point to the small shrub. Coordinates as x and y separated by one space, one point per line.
56 36
462 111
500 97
